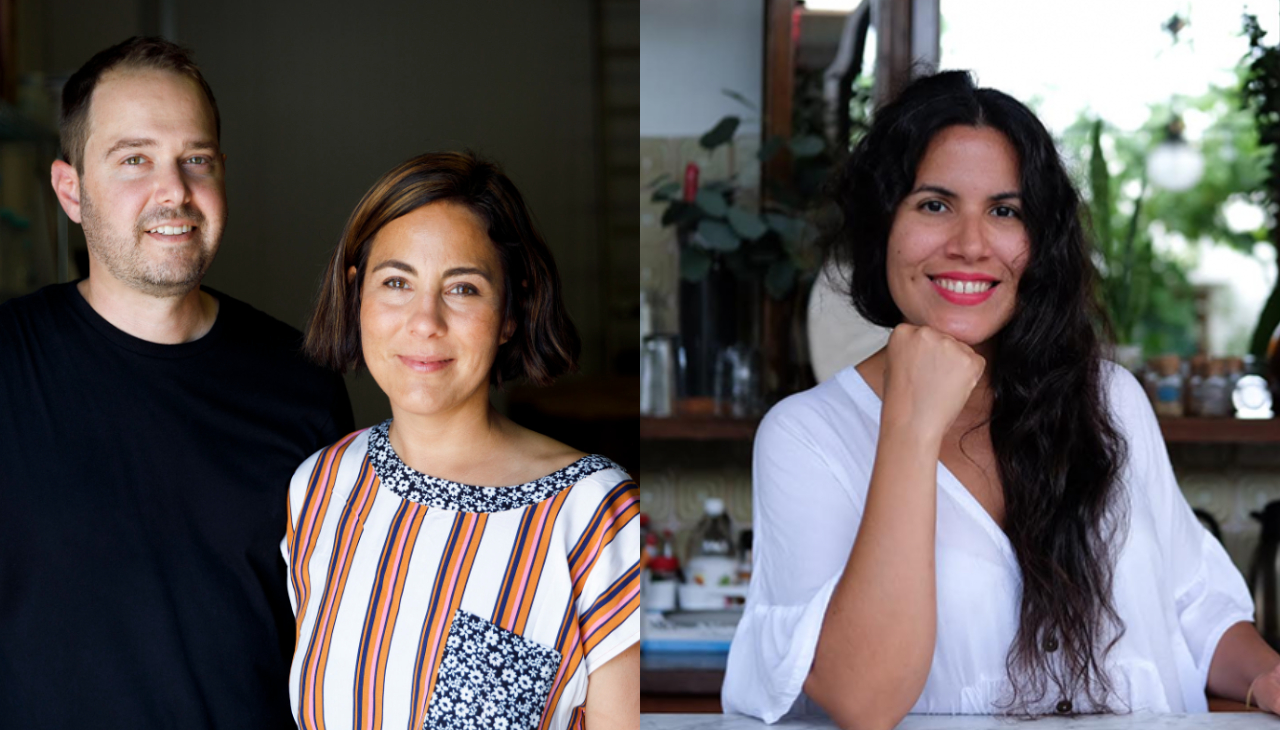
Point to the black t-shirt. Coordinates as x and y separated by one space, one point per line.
142 506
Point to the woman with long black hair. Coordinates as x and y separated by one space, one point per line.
981 517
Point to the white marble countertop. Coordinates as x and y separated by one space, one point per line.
1210 721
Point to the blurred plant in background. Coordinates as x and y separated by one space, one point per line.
1147 237
772 242
1260 94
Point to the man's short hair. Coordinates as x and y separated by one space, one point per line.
545 343
137 53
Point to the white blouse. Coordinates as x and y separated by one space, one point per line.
1175 588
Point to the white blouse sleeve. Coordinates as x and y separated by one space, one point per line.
805 519
1209 593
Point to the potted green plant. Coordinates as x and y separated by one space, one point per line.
1125 260
730 245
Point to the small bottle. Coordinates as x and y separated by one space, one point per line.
1235 371
1169 386
1149 377
690 191
663 576
712 559
1252 397
745 539
1213 392
1192 404
665 566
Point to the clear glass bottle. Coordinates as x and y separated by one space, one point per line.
712 557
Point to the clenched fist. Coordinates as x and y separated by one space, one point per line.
928 378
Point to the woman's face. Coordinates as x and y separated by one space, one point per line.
958 244
431 310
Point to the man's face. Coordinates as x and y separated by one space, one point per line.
152 200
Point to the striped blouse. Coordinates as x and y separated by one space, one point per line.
425 603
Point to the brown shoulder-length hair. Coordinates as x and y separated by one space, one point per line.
545 343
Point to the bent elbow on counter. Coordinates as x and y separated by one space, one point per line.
854 709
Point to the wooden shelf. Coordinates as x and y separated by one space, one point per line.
1175 430
698 428
1220 430
681 681
695 673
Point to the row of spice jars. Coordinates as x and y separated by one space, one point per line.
1198 386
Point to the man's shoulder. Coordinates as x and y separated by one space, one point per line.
246 321
272 350
250 333
51 297
21 317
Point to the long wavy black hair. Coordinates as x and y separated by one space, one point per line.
1057 450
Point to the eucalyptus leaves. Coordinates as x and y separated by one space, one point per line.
714 223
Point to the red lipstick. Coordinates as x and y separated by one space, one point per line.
960 298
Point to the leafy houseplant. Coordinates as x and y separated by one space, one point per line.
730 248
1125 263
1146 288
773 245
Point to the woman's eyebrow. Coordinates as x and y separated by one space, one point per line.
938 190
395 264
464 270
934 189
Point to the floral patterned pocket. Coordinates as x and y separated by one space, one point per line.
490 678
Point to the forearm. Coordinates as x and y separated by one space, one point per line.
1241 657
877 638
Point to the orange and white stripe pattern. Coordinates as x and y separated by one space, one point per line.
376 580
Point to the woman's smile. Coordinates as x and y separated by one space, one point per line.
963 289
425 364
431 315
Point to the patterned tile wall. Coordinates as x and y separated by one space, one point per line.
1227 481
676 478
1230 482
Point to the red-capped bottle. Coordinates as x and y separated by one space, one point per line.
690 182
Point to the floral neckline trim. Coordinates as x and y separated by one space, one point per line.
415 486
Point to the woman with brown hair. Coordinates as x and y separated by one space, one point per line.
449 568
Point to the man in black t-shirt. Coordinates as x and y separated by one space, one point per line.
148 431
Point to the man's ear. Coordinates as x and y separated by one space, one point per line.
66 185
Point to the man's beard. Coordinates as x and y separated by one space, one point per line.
167 273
